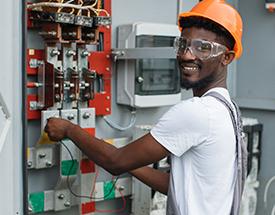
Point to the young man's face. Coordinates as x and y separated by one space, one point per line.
197 73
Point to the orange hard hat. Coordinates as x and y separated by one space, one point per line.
222 13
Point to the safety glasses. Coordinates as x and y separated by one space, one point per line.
199 48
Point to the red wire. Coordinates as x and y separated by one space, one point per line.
121 194
116 210
94 182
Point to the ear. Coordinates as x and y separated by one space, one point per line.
228 57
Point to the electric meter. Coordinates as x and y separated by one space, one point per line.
147 73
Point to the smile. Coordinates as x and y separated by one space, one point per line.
189 69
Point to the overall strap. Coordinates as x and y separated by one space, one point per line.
241 150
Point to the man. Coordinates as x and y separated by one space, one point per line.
197 133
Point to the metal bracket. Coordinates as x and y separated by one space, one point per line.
62 200
144 53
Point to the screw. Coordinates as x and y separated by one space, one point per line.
29 209
72 96
72 34
29 164
67 204
61 196
91 35
85 53
33 105
121 188
48 164
70 53
107 68
108 97
87 96
140 79
57 97
42 155
70 117
107 109
86 115
54 52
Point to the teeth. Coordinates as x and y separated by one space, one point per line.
191 69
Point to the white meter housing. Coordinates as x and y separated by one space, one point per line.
147 71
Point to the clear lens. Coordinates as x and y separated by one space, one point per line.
200 48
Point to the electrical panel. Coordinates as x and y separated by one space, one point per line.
147 73
68 76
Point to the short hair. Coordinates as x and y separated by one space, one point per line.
207 24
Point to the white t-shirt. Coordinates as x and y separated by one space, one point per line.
200 136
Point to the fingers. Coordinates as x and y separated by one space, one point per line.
56 128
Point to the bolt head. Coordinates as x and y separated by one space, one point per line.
30 209
70 117
86 115
67 204
29 164
61 196
48 163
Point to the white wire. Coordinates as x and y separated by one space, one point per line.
266 190
93 5
273 210
120 128
68 5
53 4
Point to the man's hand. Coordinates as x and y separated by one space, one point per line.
57 129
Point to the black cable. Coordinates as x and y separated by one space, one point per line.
69 185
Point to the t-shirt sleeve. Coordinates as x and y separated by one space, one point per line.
184 126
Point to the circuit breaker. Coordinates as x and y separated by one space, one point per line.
147 74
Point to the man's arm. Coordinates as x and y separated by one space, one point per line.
141 152
154 178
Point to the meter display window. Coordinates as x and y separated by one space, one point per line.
156 76
144 41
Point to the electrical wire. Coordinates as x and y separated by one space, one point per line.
74 7
121 194
94 4
69 185
273 210
266 190
115 210
62 5
120 128
103 10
